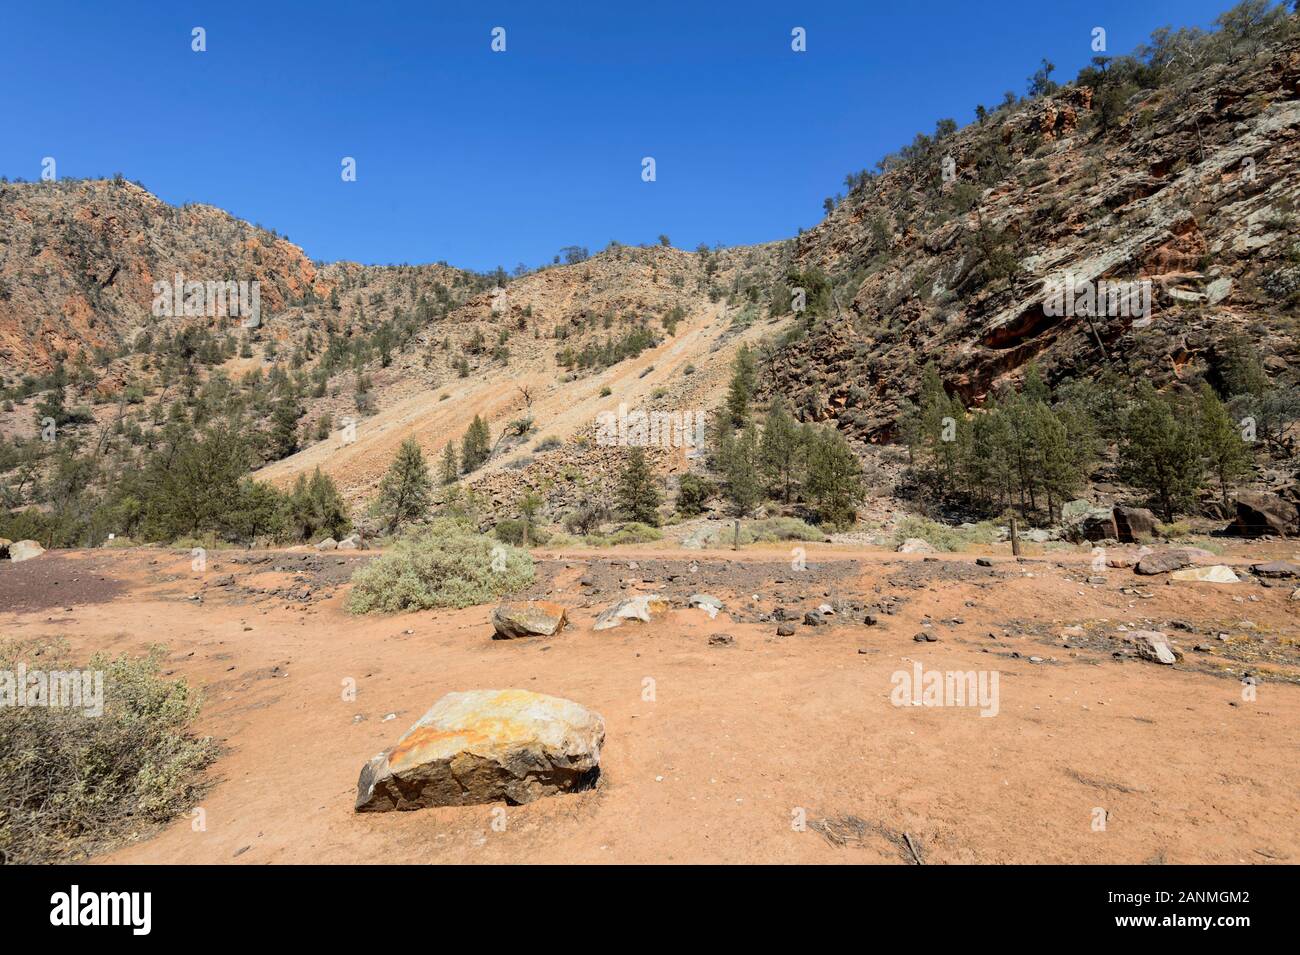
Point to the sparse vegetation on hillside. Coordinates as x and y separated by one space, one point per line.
937 254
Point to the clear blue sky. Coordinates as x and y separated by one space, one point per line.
486 159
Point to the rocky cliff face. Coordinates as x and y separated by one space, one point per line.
78 262
953 256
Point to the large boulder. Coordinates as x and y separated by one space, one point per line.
1276 568
1134 524
1259 513
24 550
643 608
1163 562
486 746
1095 524
328 543
537 618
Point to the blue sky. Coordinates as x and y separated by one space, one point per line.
484 159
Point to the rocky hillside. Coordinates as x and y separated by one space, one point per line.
951 253
540 359
79 258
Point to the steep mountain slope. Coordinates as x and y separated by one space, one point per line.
551 312
952 254
78 260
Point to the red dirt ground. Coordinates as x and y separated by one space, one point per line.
739 742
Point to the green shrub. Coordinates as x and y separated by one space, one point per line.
780 529
72 784
444 564
693 493
511 531
941 536
634 532
764 531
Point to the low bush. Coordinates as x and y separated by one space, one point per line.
73 783
780 529
548 444
693 494
634 532
511 531
443 564
941 536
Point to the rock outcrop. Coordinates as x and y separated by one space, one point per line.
1186 194
1163 562
1134 524
1260 513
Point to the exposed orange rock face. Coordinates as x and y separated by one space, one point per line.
84 256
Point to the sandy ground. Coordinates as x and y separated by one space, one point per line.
735 745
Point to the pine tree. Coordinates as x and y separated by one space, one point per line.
989 464
779 448
1034 387
740 467
1161 451
449 470
284 428
693 493
834 478
404 490
637 495
530 505
327 504
314 508
744 377
476 446
1227 455
1054 458
1238 369
934 431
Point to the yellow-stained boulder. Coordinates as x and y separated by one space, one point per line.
485 746
536 618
